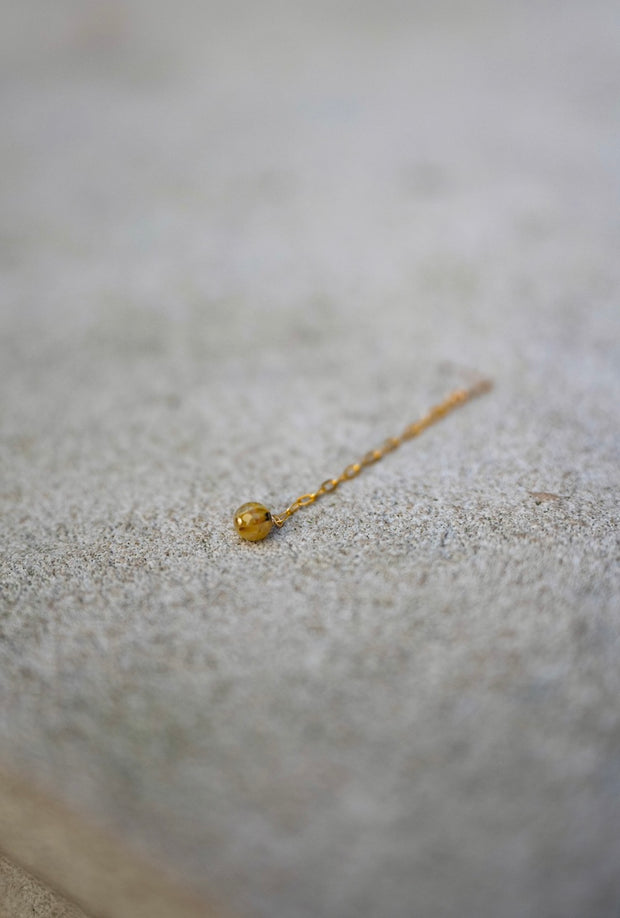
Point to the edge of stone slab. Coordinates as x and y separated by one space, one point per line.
23 896
85 865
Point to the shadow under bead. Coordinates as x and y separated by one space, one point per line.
253 521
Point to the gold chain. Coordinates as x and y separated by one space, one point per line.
454 400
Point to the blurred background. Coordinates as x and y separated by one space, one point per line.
241 243
299 157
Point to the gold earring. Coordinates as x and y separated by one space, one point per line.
253 521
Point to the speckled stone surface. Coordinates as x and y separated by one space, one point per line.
241 245
23 896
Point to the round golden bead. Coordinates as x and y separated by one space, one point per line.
253 521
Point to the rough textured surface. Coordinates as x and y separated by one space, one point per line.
240 246
22 896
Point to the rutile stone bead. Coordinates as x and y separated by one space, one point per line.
253 521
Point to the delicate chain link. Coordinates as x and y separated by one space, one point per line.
456 398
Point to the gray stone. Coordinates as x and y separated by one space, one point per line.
241 245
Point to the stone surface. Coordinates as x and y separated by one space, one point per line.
23 896
417 712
